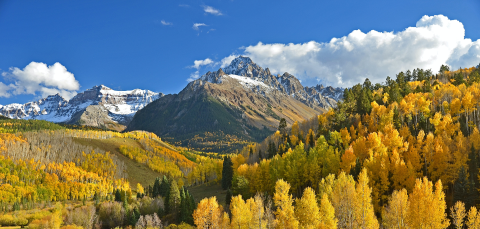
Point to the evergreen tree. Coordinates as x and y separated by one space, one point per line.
174 199
355 171
164 187
396 119
272 151
190 202
183 206
156 188
460 187
311 139
118 196
228 198
282 126
227 173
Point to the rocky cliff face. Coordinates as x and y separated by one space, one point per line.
99 106
242 101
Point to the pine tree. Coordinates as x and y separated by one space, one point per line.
118 196
228 198
174 199
460 187
227 173
156 188
183 206
164 187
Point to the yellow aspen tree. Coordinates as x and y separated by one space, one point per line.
364 213
285 215
140 189
258 212
348 160
427 208
241 215
208 214
458 214
473 218
225 221
327 214
306 210
343 200
395 214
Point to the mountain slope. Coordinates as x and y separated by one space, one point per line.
99 106
226 109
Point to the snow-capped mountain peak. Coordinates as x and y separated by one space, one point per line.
257 79
121 105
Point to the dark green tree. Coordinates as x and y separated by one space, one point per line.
118 196
156 188
228 198
174 199
184 211
164 187
460 187
282 126
227 173
272 151
444 68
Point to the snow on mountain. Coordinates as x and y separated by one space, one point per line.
255 78
121 105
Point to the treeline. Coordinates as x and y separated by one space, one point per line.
18 125
399 133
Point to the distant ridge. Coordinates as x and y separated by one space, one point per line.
99 106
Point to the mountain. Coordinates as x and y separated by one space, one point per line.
99 106
226 109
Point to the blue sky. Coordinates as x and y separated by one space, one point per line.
153 44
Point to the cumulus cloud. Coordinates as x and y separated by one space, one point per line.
227 60
4 90
197 25
163 22
211 10
40 78
345 61
198 63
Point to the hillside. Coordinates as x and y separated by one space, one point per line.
411 144
226 109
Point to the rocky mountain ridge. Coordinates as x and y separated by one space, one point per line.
98 106
252 76
237 104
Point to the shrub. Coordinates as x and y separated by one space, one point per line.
148 221
13 220
111 214
148 206
83 216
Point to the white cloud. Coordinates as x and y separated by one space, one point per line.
40 78
345 61
4 90
165 22
198 63
211 10
193 76
196 25
227 60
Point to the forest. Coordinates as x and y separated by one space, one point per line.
398 154
402 154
